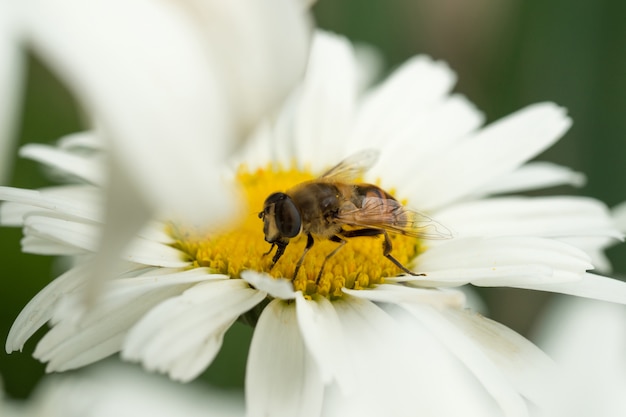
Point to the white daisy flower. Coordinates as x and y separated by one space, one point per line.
359 336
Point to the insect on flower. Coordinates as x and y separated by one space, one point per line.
337 208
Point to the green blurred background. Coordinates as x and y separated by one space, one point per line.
507 55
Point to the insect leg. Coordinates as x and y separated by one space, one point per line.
309 245
361 232
281 245
271 249
330 255
387 252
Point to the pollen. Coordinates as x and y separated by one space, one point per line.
359 264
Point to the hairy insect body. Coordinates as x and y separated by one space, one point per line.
319 204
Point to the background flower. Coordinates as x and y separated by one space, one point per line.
117 391
588 340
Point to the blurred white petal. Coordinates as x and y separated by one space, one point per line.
587 339
182 80
87 140
123 392
619 214
11 82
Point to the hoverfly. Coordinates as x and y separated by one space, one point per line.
321 208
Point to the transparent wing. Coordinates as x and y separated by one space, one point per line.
352 168
390 215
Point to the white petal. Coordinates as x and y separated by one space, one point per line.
322 333
148 252
374 346
400 294
272 140
522 362
271 40
156 231
44 246
424 137
64 347
75 237
496 150
40 308
530 370
73 234
398 367
67 201
282 379
276 287
85 168
589 286
81 336
511 403
559 216
370 65
87 140
619 214
501 261
413 89
595 247
323 115
182 335
533 176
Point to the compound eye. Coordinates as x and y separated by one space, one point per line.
288 220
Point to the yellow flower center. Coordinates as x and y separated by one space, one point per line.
359 264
